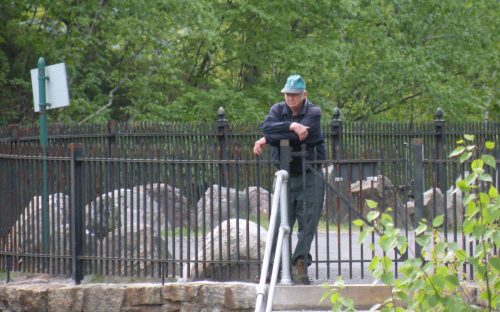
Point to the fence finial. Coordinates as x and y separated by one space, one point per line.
336 114
221 114
439 114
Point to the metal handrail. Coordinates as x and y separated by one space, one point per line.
280 198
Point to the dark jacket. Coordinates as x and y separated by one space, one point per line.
276 127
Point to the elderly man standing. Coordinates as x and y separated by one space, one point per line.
298 120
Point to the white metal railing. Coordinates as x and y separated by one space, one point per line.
280 198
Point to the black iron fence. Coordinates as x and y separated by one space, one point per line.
192 201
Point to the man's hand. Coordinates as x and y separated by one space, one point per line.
301 130
259 145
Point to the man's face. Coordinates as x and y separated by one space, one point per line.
295 100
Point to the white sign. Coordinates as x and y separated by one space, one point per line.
56 87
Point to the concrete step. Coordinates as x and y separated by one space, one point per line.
308 297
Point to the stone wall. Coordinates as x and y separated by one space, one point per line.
184 297
204 296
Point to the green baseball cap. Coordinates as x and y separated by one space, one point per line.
294 84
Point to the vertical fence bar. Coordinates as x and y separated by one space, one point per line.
76 212
441 168
222 134
336 134
418 185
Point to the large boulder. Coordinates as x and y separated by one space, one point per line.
136 246
433 203
434 199
114 209
454 197
259 199
381 190
220 203
220 247
338 199
27 232
172 203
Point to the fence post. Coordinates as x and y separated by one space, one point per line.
76 212
285 155
418 185
337 134
439 146
12 214
222 133
111 137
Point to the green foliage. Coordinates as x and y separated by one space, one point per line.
339 303
432 282
181 60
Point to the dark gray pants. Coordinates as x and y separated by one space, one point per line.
305 198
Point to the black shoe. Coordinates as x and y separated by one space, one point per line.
299 275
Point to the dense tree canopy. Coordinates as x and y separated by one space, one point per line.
164 60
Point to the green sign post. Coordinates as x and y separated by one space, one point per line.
50 90
43 143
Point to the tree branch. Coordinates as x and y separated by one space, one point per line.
110 101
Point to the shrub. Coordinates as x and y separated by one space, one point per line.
433 281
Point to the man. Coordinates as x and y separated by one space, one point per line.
298 120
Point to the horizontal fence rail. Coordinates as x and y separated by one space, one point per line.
191 201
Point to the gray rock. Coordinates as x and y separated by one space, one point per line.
382 191
242 244
172 203
220 203
137 242
338 199
259 199
119 207
27 231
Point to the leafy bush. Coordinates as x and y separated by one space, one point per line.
433 281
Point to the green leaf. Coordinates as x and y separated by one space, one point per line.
364 234
457 151
469 198
453 280
387 278
477 163
373 264
371 204
484 177
469 137
472 209
438 221
489 145
422 227
386 263
493 192
402 243
423 240
468 226
484 198
495 263
463 186
358 222
372 215
489 160
478 230
387 243
465 156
